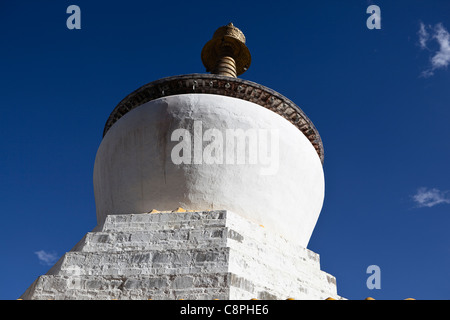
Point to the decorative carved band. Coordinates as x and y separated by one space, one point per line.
220 85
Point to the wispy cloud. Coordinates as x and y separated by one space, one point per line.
440 58
424 36
430 197
47 258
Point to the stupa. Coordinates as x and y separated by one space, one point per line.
207 186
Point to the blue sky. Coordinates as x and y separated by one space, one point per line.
379 98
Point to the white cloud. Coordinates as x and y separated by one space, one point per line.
423 36
431 197
46 257
440 58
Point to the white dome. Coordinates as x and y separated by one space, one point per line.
137 167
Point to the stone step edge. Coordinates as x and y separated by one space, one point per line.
180 290
110 286
230 244
254 262
228 238
114 220
221 218
62 267
236 223
65 263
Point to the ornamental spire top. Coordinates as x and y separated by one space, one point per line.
226 53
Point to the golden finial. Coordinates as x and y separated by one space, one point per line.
226 53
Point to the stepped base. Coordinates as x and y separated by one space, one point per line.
184 255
